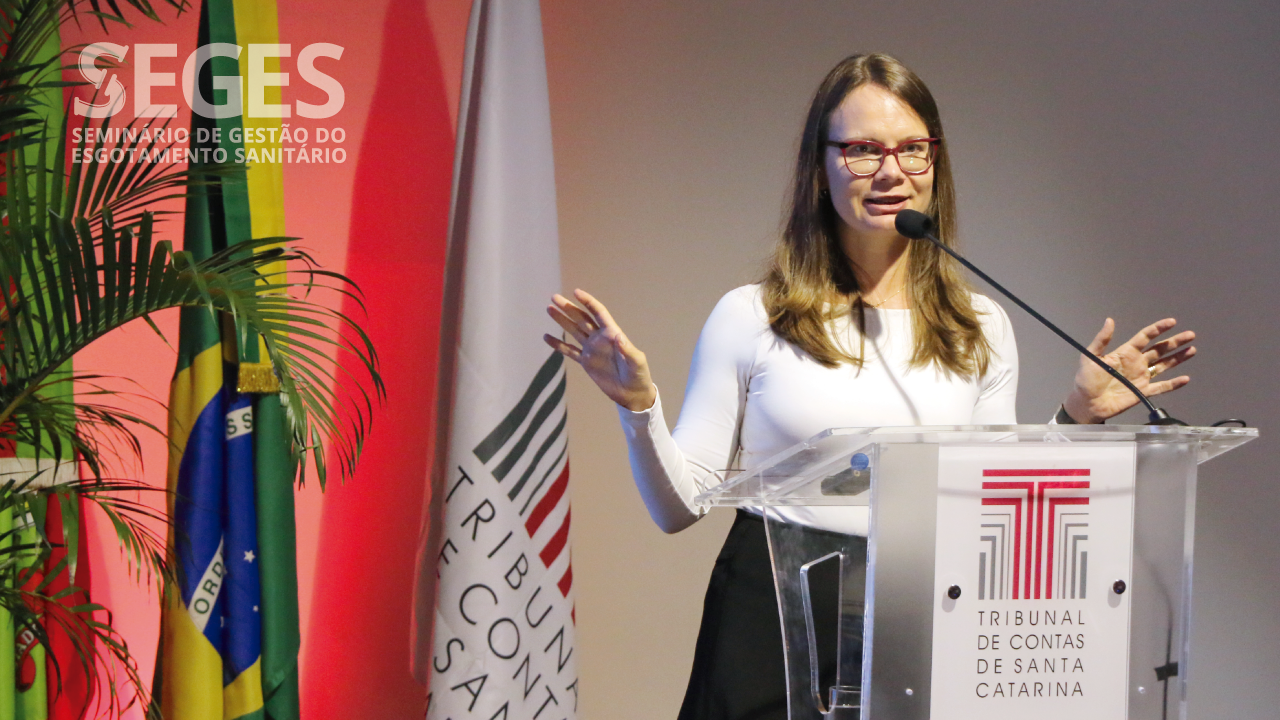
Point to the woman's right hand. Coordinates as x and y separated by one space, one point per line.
603 351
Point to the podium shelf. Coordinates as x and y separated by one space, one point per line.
823 470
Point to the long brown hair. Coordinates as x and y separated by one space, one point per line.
810 281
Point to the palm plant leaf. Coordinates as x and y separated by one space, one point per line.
80 255
70 289
34 603
76 272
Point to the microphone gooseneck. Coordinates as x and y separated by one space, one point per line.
918 226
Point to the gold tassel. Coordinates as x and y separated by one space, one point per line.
257 377
254 376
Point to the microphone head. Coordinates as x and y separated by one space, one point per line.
913 224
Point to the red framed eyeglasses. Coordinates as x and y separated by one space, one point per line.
865 157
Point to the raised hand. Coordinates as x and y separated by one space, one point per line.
1098 396
603 351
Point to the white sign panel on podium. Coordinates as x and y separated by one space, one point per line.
1034 554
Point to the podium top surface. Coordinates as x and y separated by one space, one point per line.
827 455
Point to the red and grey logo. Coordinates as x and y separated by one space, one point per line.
1034 535
513 455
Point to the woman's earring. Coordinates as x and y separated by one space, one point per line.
824 193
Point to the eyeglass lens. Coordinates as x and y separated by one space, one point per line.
865 158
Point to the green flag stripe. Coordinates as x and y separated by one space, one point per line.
501 434
537 458
216 214
33 189
281 635
544 412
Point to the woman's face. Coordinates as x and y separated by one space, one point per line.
869 204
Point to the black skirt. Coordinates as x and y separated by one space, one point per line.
738 667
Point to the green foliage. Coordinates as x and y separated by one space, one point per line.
28 591
80 256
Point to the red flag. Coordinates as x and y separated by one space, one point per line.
72 701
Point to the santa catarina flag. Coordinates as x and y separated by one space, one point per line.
26 463
495 551
51 680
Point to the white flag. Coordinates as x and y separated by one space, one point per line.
495 556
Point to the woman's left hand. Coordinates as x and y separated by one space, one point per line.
1098 396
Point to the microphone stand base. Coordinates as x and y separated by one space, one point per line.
1160 417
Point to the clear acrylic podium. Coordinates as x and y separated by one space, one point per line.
984 572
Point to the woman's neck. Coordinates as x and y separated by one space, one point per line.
881 269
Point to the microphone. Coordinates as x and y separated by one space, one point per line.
918 226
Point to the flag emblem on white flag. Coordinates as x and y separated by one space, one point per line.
495 557
504 613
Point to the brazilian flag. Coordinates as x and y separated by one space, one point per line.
229 631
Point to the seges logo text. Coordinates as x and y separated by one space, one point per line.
232 99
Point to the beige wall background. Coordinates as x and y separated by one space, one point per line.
1112 158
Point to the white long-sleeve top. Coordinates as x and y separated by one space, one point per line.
752 395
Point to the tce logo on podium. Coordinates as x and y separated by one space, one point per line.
1036 544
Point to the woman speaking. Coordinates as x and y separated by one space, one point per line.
853 325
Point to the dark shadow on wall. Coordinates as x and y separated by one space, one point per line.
357 663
